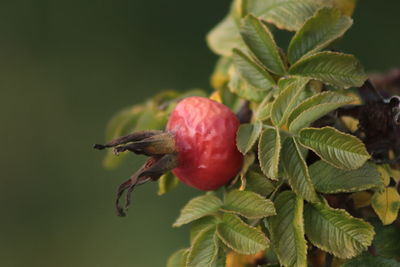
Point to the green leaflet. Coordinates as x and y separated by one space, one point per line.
241 237
287 230
329 180
341 150
198 207
258 183
166 183
370 260
204 250
318 32
336 69
247 136
263 111
297 171
314 108
178 258
251 71
201 224
287 100
248 204
336 231
243 89
269 148
224 37
286 14
260 41
386 204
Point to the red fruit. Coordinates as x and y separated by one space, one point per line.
205 136
199 146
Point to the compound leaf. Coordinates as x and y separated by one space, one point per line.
247 136
269 148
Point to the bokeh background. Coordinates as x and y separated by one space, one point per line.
66 67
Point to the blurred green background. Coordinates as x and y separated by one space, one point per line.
66 67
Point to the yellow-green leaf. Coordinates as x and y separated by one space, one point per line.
247 136
269 148
260 41
341 150
386 204
179 258
297 171
336 69
166 183
204 250
318 32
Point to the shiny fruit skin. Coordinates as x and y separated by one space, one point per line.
205 136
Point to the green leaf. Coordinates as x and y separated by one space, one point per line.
259 183
297 171
178 259
251 71
204 249
386 205
341 150
386 241
286 101
248 204
287 230
269 148
248 135
286 14
241 237
370 260
335 231
166 183
314 108
224 37
336 69
198 207
260 41
263 111
326 26
243 89
330 180
201 224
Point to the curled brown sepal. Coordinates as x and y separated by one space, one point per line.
152 170
159 145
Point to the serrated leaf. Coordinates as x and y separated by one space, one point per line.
243 89
287 100
178 259
248 204
386 204
287 230
263 111
286 14
247 136
370 260
259 183
198 207
329 180
224 37
241 237
251 71
386 241
297 171
201 224
269 148
204 249
260 41
341 150
318 32
166 183
220 260
335 231
314 108
336 69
